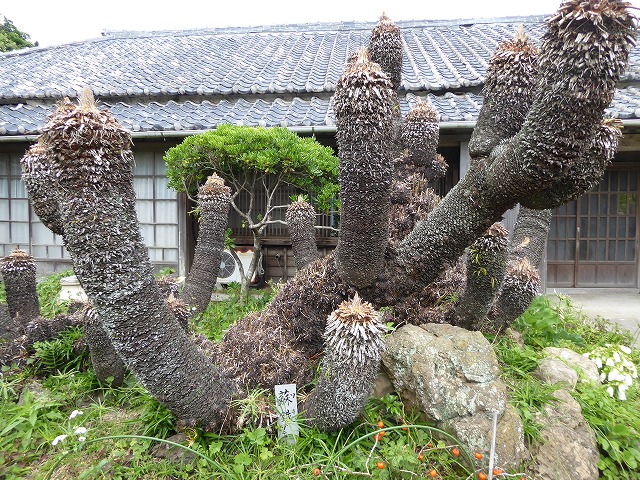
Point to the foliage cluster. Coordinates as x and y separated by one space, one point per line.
236 153
123 425
557 322
13 39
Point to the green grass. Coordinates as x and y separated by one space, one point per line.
123 425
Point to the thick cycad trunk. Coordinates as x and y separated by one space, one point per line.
213 200
93 166
363 107
19 276
486 263
36 175
301 218
353 347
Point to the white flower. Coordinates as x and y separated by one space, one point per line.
82 439
603 377
610 362
610 391
80 431
598 362
624 349
616 357
613 375
75 413
58 439
621 394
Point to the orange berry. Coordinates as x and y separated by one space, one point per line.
382 434
433 474
380 424
420 457
316 472
455 452
429 445
497 471
377 437
482 476
405 428
478 455
380 465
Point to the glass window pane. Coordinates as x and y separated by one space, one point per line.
17 189
562 228
155 254
633 181
571 250
4 209
621 251
633 204
147 234
613 181
562 250
591 253
612 250
602 251
16 169
583 249
4 233
20 234
20 210
613 204
622 227
553 231
39 251
603 204
144 164
4 164
171 255
593 228
167 211
166 235
624 181
143 188
144 209
613 223
551 250
632 228
162 190
4 187
41 234
631 250
571 227
571 208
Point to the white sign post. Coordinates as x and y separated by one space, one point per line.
287 409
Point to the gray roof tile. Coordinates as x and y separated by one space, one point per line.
276 75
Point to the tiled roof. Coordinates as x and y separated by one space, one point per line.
277 75
172 116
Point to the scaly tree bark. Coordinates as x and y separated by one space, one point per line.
363 107
93 167
486 263
214 198
36 175
353 347
301 218
19 275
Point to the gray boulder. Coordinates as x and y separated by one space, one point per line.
562 365
568 450
451 376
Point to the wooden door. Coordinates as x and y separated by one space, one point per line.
593 241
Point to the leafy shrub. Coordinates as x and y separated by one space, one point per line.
48 291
